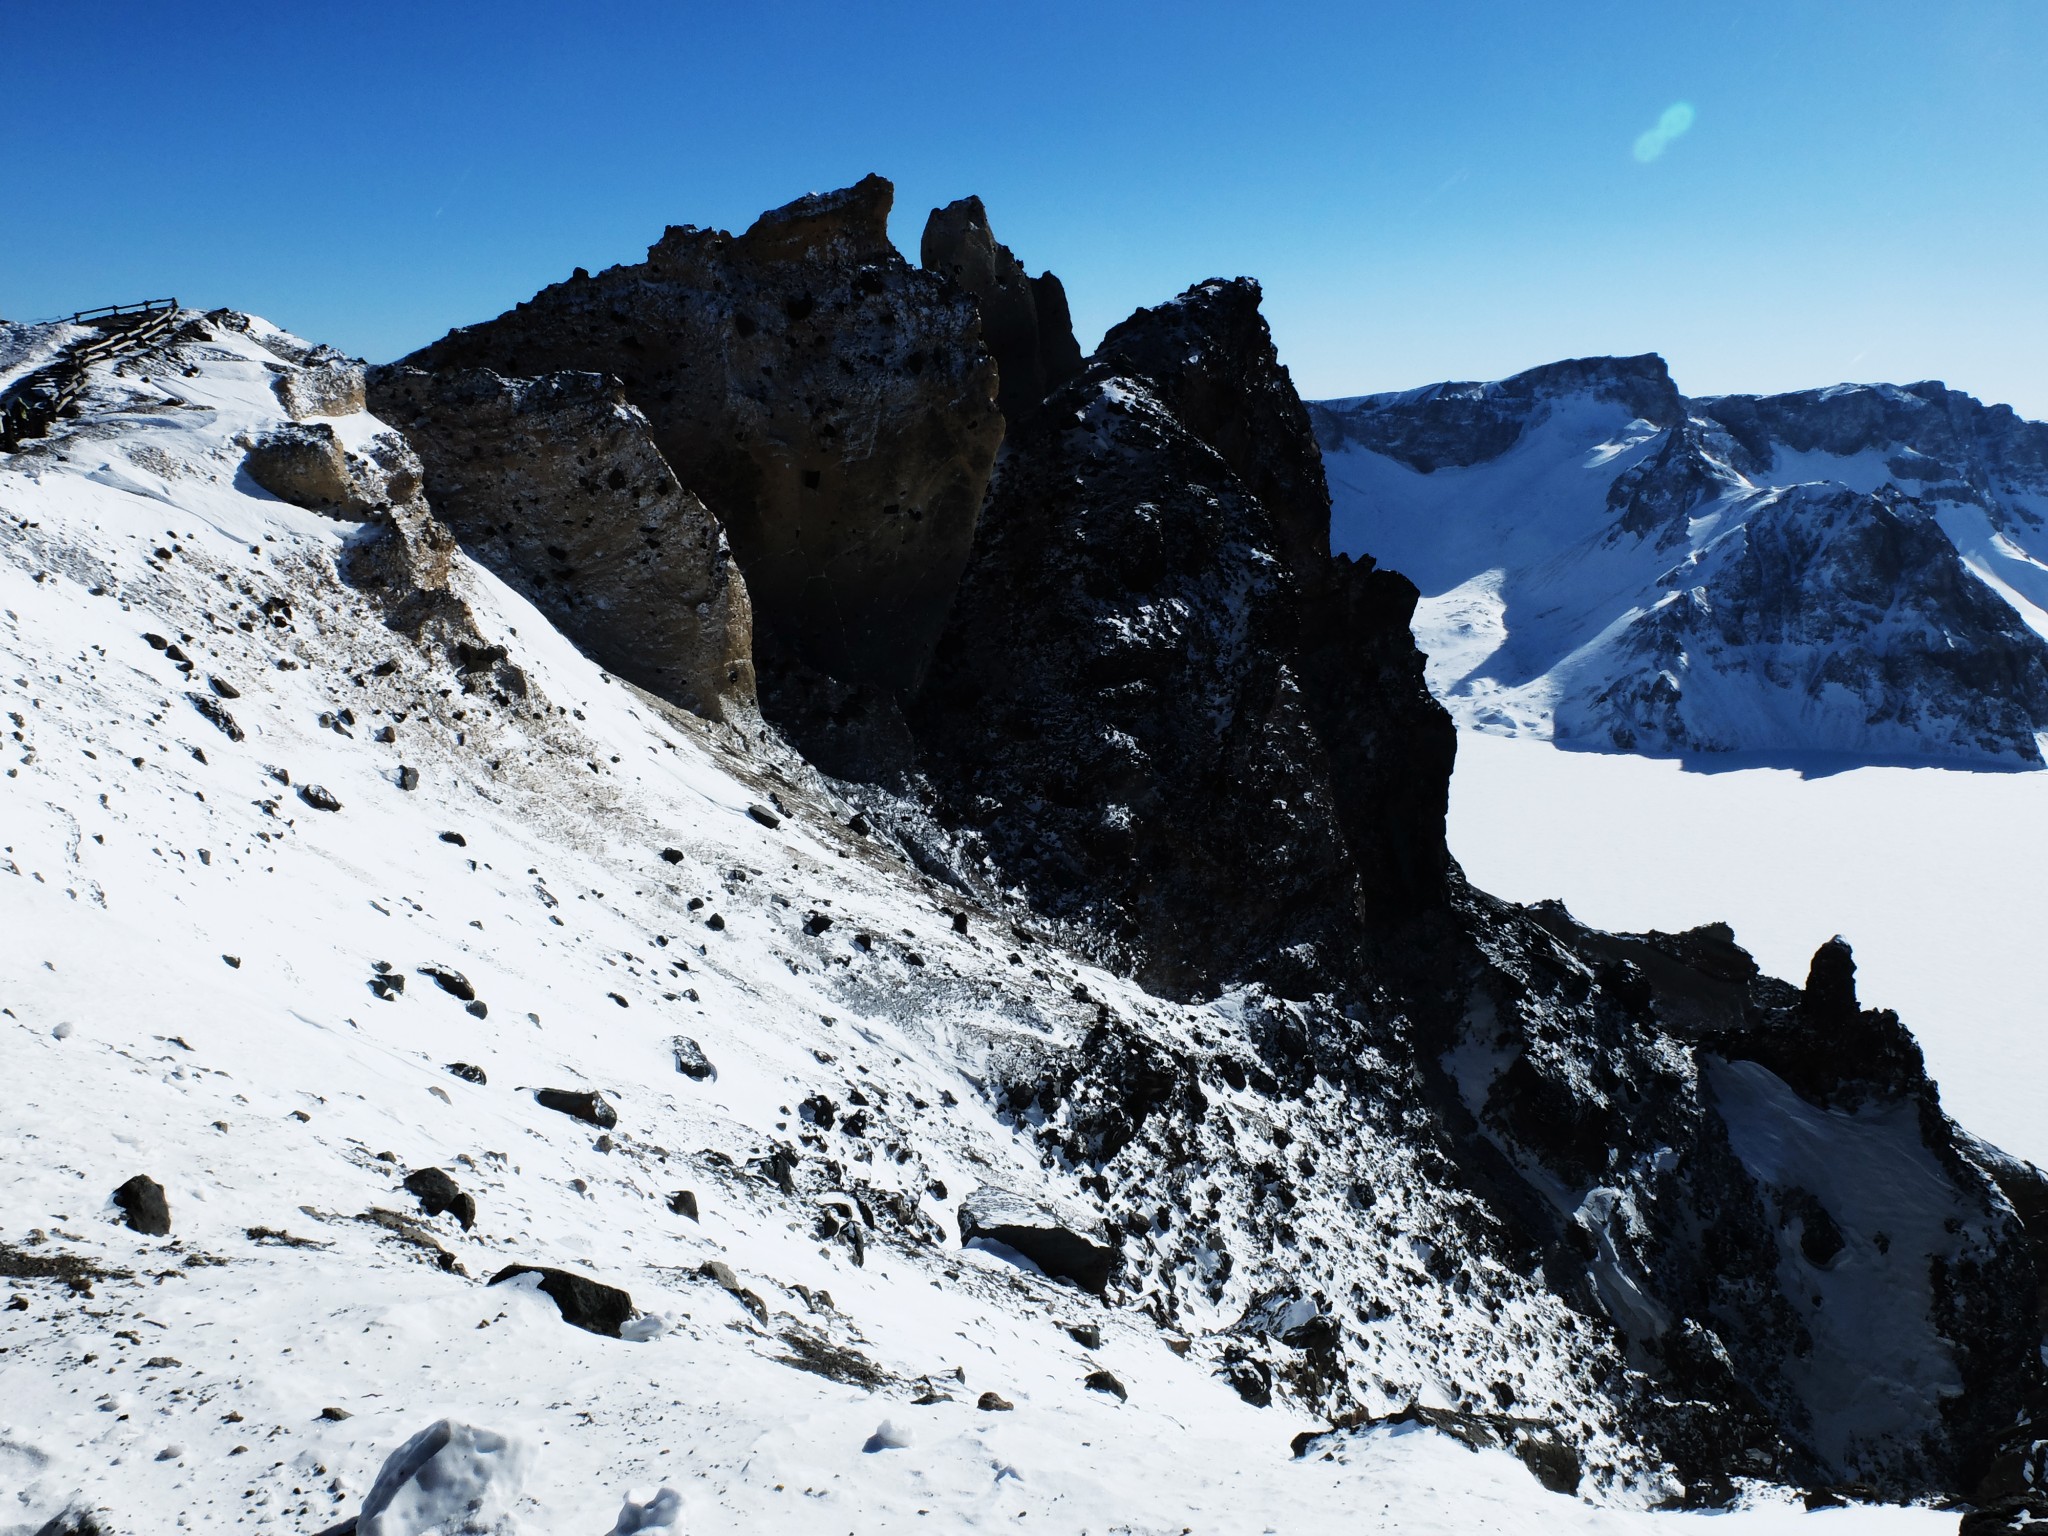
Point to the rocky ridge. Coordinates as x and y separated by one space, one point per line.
1343 1131
1851 570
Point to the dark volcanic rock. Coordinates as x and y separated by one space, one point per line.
592 1107
1065 1245
589 1304
831 404
1125 674
143 1206
690 1058
555 483
437 1191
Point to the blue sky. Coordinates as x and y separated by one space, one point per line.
1772 195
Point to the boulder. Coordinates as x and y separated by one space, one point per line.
588 1106
1067 1245
556 484
588 1304
437 1191
306 466
690 1058
143 1206
326 388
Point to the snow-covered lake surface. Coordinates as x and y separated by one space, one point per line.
1936 876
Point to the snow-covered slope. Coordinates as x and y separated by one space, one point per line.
213 877
1858 570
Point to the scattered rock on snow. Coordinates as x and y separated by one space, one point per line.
588 1106
720 1274
319 797
143 1206
466 1072
587 1304
213 711
993 1402
690 1058
684 1203
1067 1246
763 815
1103 1381
451 981
438 1192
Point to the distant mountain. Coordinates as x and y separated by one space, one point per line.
1861 569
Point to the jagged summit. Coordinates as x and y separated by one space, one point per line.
1846 571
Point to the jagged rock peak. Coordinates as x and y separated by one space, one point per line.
1209 355
1024 320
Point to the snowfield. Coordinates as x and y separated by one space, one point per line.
213 881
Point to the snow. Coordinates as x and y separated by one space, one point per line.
184 990
1539 612
1932 874
1873 1175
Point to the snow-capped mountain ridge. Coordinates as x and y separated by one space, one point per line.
1853 570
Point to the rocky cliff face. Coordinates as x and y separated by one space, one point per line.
1852 570
555 484
832 405
1626 1196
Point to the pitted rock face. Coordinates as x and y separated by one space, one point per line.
555 484
832 405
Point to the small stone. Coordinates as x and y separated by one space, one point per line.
335 1415
467 1073
225 689
1087 1335
319 797
143 1206
763 815
959 922
1103 1381
234 962
477 1010
672 855
684 1203
161 1363
408 778
456 838
993 1402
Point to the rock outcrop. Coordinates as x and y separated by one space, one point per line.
555 484
1025 323
831 404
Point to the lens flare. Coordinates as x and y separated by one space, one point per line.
1671 123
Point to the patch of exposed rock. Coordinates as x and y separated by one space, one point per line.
555 484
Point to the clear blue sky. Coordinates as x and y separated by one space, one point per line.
1427 191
